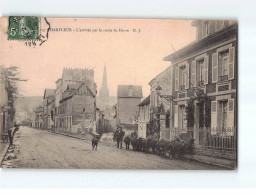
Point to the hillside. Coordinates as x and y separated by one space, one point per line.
27 104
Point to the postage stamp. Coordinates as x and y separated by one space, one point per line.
23 28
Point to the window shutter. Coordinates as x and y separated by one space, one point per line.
177 78
230 116
231 63
176 116
193 73
214 67
214 114
187 76
206 67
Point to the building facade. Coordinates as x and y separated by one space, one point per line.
99 121
110 119
48 104
205 78
128 99
144 117
161 104
77 110
69 82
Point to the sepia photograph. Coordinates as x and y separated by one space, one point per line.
130 94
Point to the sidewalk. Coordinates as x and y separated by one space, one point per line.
224 163
3 149
107 139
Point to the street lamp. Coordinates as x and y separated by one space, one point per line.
169 98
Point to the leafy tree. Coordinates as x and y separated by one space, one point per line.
12 77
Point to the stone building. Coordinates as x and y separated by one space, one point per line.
144 117
205 78
161 104
77 109
48 106
71 78
128 99
99 121
38 115
110 119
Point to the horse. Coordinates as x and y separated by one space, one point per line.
95 142
127 141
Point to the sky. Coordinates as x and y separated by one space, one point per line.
131 58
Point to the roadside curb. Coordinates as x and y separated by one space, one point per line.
210 163
4 153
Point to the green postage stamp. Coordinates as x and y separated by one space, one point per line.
23 28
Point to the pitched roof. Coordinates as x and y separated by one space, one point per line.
160 74
49 93
93 92
129 91
72 86
145 101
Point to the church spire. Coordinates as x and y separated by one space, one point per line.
104 93
104 85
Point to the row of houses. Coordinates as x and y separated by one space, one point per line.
199 89
71 106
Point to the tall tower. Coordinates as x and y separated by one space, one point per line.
104 93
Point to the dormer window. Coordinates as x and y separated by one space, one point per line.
205 29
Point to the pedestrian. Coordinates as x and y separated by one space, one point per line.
16 128
121 136
10 135
117 137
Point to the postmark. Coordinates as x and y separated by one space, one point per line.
23 28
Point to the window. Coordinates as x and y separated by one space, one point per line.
201 69
225 67
206 28
167 121
223 63
182 117
223 113
183 75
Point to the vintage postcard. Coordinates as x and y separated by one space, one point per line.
99 93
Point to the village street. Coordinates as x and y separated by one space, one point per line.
35 148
